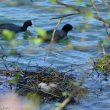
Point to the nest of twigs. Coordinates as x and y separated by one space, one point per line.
50 84
102 65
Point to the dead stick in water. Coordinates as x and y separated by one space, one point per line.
53 34
67 100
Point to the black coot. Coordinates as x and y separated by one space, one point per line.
59 34
14 27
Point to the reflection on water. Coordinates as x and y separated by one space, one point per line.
85 44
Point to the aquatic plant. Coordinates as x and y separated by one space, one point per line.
102 65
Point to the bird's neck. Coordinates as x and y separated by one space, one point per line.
24 28
66 31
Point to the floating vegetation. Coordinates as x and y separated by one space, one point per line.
50 84
102 65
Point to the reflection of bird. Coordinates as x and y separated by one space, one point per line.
59 34
14 27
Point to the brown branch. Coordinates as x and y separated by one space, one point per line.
99 16
64 104
53 34
63 16
82 10
73 7
68 100
105 2
96 9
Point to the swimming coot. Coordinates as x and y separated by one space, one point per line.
14 27
59 34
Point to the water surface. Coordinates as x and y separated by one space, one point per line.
86 45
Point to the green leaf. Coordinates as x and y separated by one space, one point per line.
15 79
8 35
89 15
79 1
53 1
36 41
41 32
65 94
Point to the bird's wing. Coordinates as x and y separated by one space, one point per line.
59 34
10 26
